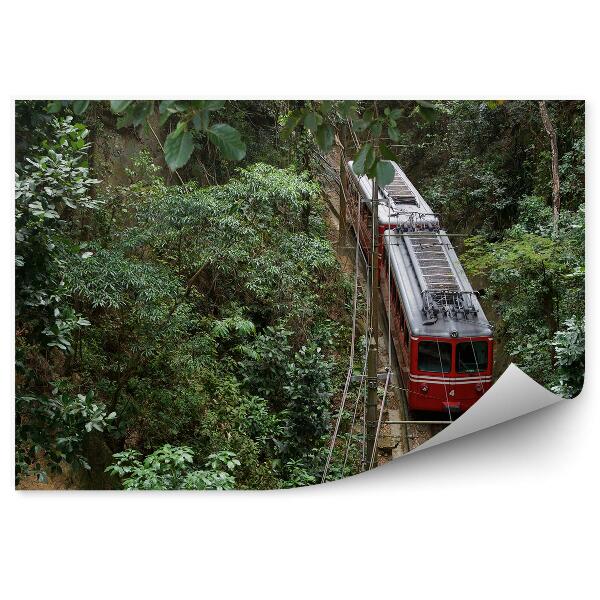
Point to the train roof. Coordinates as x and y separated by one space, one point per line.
437 297
398 202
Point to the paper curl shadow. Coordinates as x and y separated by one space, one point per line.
514 394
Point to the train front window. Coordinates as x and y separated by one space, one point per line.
471 357
435 357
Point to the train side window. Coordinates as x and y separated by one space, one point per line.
435 357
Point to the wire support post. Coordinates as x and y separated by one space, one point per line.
372 385
371 408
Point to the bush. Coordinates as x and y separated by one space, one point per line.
171 468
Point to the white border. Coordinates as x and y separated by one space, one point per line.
505 513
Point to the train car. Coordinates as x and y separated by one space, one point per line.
398 203
442 338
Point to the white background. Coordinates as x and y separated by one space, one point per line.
509 512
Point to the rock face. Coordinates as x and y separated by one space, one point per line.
113 149
386 443
389 436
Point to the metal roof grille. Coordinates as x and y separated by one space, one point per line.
399 191
433 263
440 288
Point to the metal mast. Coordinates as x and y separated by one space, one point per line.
372 360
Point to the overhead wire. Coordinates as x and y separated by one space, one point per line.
444 380
389 345
356 405
476 363
351 360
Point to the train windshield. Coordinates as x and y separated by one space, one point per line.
471 357
435 357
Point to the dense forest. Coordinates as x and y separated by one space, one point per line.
487 168
182 320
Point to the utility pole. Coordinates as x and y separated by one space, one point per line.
372 359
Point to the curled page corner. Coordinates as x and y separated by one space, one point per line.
514 394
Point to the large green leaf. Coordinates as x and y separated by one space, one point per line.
359 125
227 140
118 106
80 106
347 108
394 134
166 105
201 120
141 111
54 106
384 172
291 122
312 120
387 153
325 137
178 147
376 127
361 161
325 106
210 105
427 110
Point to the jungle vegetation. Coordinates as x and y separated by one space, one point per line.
488 169
182 321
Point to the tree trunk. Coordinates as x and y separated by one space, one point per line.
555 180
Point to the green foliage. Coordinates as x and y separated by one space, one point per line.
265 369
258 422
183 291
535 283
107 278
179 146
54 427
298 475
60 332
193 116
227 140
52 189
477 161
367 121
53 194
171 468
52 186
485 166
307 391
569 345
300 383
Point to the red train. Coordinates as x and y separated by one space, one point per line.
442 338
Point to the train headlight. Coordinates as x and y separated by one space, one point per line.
479 388
424 388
